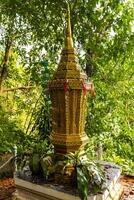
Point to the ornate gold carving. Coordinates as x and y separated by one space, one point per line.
68 38
72 84
68 104
67 143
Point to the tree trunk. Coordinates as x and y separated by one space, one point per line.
90 65
3 66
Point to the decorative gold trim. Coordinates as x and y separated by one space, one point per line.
68 100
68 38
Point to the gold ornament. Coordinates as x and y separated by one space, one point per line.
68 100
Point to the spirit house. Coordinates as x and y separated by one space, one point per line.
68 90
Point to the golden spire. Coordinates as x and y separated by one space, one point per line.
68 66
68 88
68 38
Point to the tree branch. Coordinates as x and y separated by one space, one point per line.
4 62
18 88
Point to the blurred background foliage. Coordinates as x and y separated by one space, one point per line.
31 38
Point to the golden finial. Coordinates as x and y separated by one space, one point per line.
68 38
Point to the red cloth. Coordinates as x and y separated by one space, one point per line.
66 86
84 87
92 90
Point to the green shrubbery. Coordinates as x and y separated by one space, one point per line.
102 31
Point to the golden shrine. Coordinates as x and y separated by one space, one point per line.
68 90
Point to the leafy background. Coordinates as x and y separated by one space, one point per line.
31 38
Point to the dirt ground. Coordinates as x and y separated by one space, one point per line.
128 185
7 188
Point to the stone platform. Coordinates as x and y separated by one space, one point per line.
25 190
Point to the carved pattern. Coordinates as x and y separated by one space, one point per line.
72 84
68 106
67 112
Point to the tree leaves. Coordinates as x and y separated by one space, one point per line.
103 32
82 182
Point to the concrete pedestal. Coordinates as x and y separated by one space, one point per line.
29 191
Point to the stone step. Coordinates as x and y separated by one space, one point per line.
29 191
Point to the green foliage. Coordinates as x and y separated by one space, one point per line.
40 119
35 156
110 120
88 173
103 34
9 132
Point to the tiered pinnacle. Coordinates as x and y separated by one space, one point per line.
68 38
68 67
68 90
